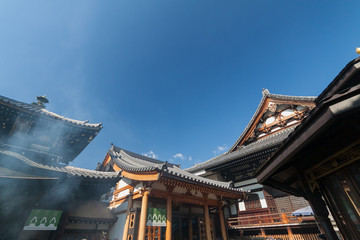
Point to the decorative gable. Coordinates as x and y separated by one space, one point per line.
274 113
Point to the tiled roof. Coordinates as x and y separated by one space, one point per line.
35 109
245 150
132 162
267 94
58 169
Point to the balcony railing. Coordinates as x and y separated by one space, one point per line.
274 219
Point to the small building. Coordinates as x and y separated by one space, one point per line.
159 200
262 213
320 160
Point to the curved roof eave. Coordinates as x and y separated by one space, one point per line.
34 109
262 144
135 163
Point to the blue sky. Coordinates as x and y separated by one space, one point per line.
176 78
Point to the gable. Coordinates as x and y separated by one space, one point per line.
274 113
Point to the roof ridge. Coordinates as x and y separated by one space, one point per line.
270 141
38 110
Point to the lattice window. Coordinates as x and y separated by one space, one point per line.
202 229
252 202
132 220
152 233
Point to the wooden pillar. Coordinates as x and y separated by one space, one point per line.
142 223
319 207
207 221
126 227
222 223
263 232
291 237
190 228
168 218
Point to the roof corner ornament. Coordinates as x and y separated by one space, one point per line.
265 92
357 50
164 166
41 101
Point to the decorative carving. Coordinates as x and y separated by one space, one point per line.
272 107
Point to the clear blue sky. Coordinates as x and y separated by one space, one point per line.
178 78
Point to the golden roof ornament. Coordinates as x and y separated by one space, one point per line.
357 50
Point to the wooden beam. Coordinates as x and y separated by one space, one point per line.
150 176
284 187
184 198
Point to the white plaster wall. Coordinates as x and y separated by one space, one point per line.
123 193
180 190
242 206
233 209
117 229
262 199
158 186
138 187
212 196
196 193
124 182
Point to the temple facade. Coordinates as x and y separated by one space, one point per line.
159 200
320 160
273 121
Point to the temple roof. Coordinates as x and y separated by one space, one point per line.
35 109
26 168
42 135
245 150
135 163
274 119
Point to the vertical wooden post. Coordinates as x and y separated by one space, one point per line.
190 228
126 227
142 223
168 218
207 221
291 237
222 223
263 232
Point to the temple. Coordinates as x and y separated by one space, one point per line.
320 159
267 211
41 196
158 200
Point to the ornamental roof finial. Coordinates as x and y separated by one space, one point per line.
357 50
41 101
